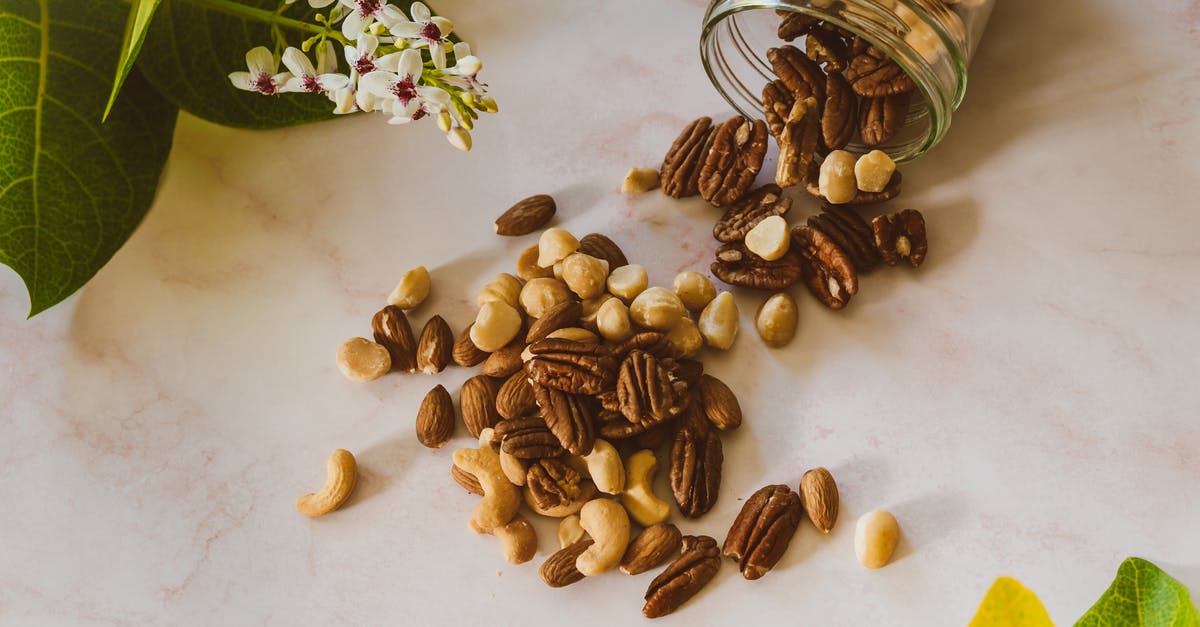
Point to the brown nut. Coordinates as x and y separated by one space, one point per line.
600 246
391 330
465 352
696 460
880 118
736 265
873 77
901 235
435 418
800 74
650 548
477 401
435 346
734 160
680 171
746 213
559 570
698 562
839 116
819 493
828 272
564 314
763 530
526 216
515 398
719 403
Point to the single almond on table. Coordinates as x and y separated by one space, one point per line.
435 418
820 495
435 347
526 216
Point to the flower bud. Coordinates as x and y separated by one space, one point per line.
459 138
443 121
470 65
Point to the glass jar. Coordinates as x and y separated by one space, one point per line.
931 40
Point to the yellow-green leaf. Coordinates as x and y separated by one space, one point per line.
1142 595
140 12
1010 604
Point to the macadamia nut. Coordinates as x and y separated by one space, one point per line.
540 295
719 321
554 246
657 308
777 319
585 275
769 238
628 281
875 538
873 170
613 321
361 359
496 324
836 180
640 180
505 288
684 339
412 290
527 266
694 289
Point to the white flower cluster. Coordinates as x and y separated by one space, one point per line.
397 64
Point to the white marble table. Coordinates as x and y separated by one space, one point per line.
1025 403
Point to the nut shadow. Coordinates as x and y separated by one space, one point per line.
381 465
928 518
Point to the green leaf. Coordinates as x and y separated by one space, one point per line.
1142 595
72 190
140 12
1010 604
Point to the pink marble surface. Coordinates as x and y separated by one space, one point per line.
1025 403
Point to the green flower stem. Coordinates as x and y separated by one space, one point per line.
229 7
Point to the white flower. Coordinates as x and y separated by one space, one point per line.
262 76
409 100
425 31
362 58
344 100
316 4
306 78
465 63
363 13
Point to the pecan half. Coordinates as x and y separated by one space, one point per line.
574 367
645 391
840 115
655 437
901 235
613 426
559 569
879 119
600 246
652 342
552 483
571 418
680 171
564 314
391 329
751 209
763 529
733 161
696 459
828 272
696 565
650 548
873 77
793 25
527 438
515 398
799 73
777 102
736 265
850 232
477 401
687 371
828 48
798 142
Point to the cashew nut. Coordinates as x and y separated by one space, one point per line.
501 499
514 468
605 469
608 525
638 496
341 473
569 531
518 539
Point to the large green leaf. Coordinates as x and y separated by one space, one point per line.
1142 595
140 12
72 190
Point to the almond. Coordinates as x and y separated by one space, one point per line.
465 352
559 570
564 314
477 400
436 346
392 330
720 405
820 495
504 362
526 216
653 546
601 247
515 398
466 480
435 418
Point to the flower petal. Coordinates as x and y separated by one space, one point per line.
281 79
343 101
444 25
438 52
411 64
242 80
355 24
367 45
420 12
462 49
407 30
297 62
388 62
317 4
332 82
294 84
390 15
469 65
365 100
378 83
326 58
260 61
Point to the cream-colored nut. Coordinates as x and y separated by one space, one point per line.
361 359
496 324
526 354
769 238
515 468
694 289
412 290
638 497
578 464
557 270
518 539
836 180
873 170
505 288
719 321
527 267
585 275
591 307
487 437
684 339
341 472
875 538
605 468
554 246
612 321
640 180
501 499
608 525
776 320
570 531
657 308
539 295
628 281
574 334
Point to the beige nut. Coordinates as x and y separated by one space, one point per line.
769 238
875 538
578 464
777 319
496 324
605 468
570 531
836 179
574 334
487 437
505 288
684 339
612 321
719 321
585 275
412 290
590 308
873 171
557 270
501 499
694 289
515 469
638 497
539 295
361 359
640 180
554 246
518 539
657 308
527 267
628 281
608 525
341 472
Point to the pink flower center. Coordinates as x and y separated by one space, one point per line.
311 84
364 65
405 90
264 85
369 7
431 32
